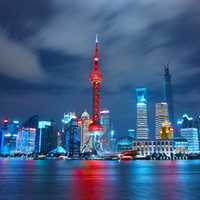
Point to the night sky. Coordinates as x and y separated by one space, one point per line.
46 50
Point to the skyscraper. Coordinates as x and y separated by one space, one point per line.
168 94
9 132
73 138
161 116
42 129
142 114
48 136
85 134
106 124
26 140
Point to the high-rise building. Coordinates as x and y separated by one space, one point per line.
65 122
142 131
27 136
106 124
73 138
48 132
161 116
168 94
9 132
26 140
85 134
191 135
42 128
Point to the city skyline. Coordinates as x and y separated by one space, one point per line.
44 62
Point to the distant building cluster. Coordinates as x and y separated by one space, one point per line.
36 137
170 137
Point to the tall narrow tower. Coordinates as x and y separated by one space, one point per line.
142 114
96 79
168 94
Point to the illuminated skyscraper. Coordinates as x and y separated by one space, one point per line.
49 136
85 134
73 138
142 114
9 132
168 94
43 127
26 140
161 116
106 124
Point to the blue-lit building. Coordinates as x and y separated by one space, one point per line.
73 131
27 136
26 141
142 131
47 139
191 135
180 145
132 133
106 124
124 144
9 132
42 128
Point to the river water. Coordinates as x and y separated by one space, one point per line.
99 180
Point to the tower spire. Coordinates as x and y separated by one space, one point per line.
96 78
97 41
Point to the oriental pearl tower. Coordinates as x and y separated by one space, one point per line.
95 127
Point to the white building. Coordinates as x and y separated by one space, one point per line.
142 131
85 134
191 135
147 147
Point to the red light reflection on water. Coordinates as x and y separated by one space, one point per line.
89 182
170 179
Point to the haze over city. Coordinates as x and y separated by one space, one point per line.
48 47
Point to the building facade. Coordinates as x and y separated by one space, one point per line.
161 115
191 135
142 131
85 134
168 148
9 132
73 138
48 136
106 124
26 141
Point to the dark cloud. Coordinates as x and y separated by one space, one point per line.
47 48
21 18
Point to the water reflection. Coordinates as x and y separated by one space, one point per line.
92 181
99 180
